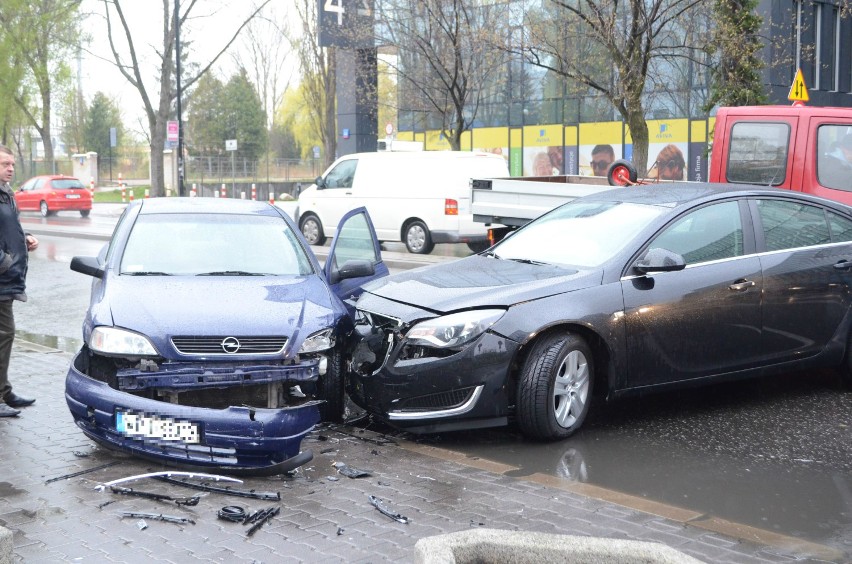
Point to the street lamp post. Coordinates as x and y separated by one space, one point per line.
180 164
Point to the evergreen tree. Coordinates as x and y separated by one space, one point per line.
245 119
736 79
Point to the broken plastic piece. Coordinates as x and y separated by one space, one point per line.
81 472
187 501
158 517
102 487
269 496
262 518
350 471
384 510
232 513
141 524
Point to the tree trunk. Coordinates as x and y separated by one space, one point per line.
639 132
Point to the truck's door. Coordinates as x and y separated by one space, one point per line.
828 171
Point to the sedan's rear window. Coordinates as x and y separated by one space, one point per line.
66 184
214 245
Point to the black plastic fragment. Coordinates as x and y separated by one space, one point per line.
204 486
81 472
350 471
187 501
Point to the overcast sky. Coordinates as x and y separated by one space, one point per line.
211 26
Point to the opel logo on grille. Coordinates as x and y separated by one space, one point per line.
230 345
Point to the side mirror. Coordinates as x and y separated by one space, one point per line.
659 260
354 268
320 182
87 265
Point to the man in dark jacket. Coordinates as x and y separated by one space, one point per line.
14 246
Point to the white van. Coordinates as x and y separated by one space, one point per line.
419 198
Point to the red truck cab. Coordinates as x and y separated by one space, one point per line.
793 147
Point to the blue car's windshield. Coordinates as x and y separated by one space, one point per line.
212 244
580 234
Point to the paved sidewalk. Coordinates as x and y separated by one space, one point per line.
324 516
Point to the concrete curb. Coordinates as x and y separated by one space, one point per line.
494 545
5 546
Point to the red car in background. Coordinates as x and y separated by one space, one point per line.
50 194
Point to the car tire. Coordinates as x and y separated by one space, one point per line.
42 207
330 388
85 213
478 247
555 387
311 228
417 238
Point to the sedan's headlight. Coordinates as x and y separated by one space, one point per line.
453 330
112 340
320 341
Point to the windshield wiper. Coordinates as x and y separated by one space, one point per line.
145 273
491 254
526 261
231 273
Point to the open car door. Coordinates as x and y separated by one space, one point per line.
355 257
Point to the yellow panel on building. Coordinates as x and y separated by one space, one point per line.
542 136
606 132
490 137
436 142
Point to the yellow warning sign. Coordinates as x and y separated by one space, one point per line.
798 90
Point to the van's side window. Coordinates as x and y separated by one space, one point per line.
834 156
758 153
342 175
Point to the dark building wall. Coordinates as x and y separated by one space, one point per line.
822 47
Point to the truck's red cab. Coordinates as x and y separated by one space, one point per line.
792 147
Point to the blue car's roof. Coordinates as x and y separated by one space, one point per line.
204 205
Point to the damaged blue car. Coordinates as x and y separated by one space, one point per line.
214 339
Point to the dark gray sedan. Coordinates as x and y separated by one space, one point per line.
619 293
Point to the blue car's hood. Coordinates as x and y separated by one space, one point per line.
160 306
478 281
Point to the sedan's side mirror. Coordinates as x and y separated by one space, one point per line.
87 265
320 182
659 260
354 268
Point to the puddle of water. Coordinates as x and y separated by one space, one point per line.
65 344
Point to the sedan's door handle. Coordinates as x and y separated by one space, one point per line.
741 285
843 265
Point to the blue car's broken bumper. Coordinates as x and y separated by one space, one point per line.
235 440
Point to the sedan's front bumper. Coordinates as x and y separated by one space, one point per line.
466 390
237 439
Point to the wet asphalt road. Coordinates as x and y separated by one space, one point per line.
774 453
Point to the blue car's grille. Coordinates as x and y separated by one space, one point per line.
231 345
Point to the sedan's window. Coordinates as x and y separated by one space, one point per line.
213 244
789 225
67 184
584 234
342 175
28 185
758 153
841 228
710 233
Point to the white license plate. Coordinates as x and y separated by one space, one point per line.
156 427
72 196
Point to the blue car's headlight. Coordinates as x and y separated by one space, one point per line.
319 341
454 330
115 341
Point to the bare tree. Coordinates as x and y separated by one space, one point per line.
607 45
446 61
158 104
318 77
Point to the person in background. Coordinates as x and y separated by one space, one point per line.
670 163
602 157
14 246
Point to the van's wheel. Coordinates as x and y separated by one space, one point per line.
42 207
85 213
621 173
330 388
312 229
418 240
478 247
555 387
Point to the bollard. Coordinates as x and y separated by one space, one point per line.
224 193
272 197
253 192
215 194
92 184
131 195
147 193
193 193
123 193
242 195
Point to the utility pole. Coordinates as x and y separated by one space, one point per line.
181 190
